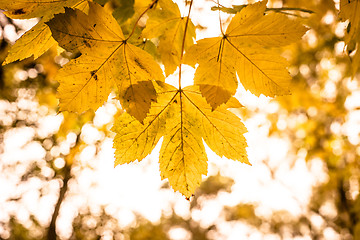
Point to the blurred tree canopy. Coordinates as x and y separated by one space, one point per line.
320 120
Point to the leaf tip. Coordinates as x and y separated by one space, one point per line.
115 164
245 160
189 198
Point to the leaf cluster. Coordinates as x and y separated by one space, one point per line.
117 53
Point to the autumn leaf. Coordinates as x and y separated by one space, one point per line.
245 49
167 24
222 130
184 119
215 75
141 5
350 10
107 59
26 9
268 30
34 42
134 141
123 10
38 39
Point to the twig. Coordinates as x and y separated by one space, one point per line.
142 14
289 9
183 43
51 235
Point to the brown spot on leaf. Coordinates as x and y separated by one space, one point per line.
137 61
93 74
86 43
18 11
137 99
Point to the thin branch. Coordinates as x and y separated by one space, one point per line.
237 8
291 14
183 42
141 15
221 29
289 9
51 234
217 2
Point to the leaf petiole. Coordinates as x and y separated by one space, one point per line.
183 43
141 15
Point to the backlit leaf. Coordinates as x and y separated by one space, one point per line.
216 71
184 119
133 140
37 40
25 9
350 10
182 156
270 30
34 42
107 59
222 130
168 25
244 49
124 10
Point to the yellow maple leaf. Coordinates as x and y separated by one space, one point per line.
215 74
38 39
134 141
25 9
141 5
107 59
350 10
222 130
184 119
168 25
251 25
244 49
356 60
34 42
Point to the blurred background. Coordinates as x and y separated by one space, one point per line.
57 179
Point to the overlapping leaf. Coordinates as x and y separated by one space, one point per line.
350 10
25 9
167 24
184 119
134 141
107 59
244 49
37 40
123 9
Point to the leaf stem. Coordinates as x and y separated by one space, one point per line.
221 29
289 9
183 42
237 8
141 15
